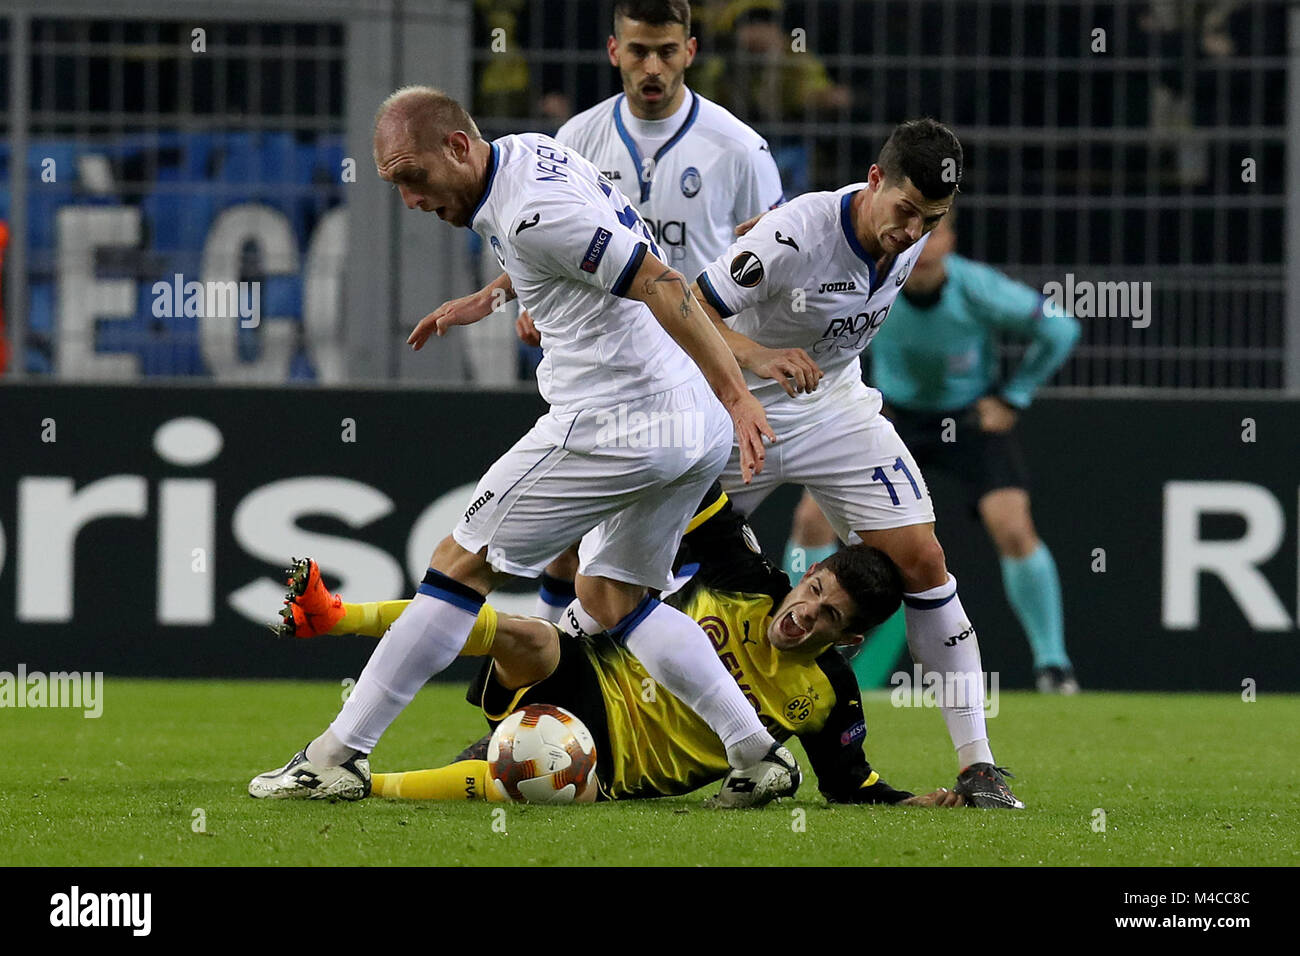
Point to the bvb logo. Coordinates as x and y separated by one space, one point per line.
798 709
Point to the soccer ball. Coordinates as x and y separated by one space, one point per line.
542 754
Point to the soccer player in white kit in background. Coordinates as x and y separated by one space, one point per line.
799 298
691 169
627 339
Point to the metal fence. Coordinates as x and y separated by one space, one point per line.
161 155
1114 142
1107 143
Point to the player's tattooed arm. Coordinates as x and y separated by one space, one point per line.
463 311
668 297
793 369
671 277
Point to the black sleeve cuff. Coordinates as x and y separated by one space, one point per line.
630 270
711 296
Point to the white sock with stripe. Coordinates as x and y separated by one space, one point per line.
422 642
943 642
677 653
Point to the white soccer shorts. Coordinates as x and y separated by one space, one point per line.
851 461
625 479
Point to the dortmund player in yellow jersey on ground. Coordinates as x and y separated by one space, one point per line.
778 641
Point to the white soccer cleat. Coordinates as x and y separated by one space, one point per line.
775 776
300 779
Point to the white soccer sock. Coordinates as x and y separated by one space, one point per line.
576 622
678 655
422 642
328 751
943 642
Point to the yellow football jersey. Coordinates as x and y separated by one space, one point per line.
649 742
659 746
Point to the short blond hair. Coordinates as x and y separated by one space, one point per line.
426 114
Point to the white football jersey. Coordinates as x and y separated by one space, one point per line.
571 244
710 174
801 279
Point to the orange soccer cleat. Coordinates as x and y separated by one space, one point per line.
309 608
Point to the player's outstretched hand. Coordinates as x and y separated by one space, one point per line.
526 331
942 797
792 369
751 428
749 224
463 311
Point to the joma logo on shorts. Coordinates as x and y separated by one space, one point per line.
479 502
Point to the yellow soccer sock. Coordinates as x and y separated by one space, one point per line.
375 617
482 634
369 620
465 780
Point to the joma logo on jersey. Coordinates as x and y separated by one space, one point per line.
849 286
611 174
479 502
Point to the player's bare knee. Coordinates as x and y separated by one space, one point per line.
1012 530
923 566
525 655
465 566
1016 541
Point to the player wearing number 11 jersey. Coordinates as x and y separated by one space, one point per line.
798 299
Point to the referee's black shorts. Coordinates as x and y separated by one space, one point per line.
982 461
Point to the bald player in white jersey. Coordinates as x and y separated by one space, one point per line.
798 298
628 341
691 169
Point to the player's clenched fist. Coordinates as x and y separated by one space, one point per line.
751 427
792 369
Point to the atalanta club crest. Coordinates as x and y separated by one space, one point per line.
498 251
691 182
746 270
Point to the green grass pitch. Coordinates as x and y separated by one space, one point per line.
1182 780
